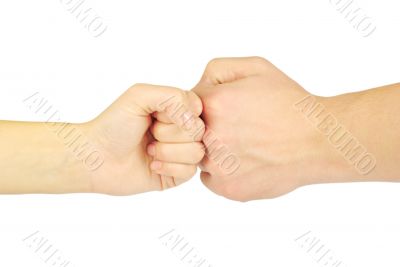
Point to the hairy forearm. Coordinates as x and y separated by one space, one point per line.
367 144
33 159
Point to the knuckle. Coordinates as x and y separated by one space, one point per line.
258 59
213 62
193 170
199 130
189 171
160 152
163 132
156 131
260 62
179 108
167 169
221 188
175 104
213 101
137 86
199 152
218 101
197 105
205 164
232 192
181 96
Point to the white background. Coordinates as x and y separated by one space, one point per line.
45 48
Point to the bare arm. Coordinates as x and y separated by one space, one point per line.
117 153
281 137
33 158
371 119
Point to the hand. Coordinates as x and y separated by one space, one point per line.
270 148
134 161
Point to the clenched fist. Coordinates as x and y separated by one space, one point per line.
249 114
138 155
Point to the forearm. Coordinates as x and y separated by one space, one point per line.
371 119
33 159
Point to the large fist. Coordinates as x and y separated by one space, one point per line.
257 144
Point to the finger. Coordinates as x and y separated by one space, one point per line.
193 103
167 182
145 99
211 183
172 133
211 166
186 153
207 165
220 164
170 181
176 170
225 70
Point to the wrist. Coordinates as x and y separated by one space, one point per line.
83 158
341 153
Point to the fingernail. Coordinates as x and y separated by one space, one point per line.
151 149
188 120
155 165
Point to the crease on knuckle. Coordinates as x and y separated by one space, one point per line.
199 152
160 151
188 172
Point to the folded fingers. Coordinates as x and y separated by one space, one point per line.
173 133
183 153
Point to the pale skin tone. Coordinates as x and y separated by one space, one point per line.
254 109
35 159
250 105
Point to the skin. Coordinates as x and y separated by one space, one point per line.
258 112
280 136
39 157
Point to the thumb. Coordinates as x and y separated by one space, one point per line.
192 101
168 104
